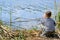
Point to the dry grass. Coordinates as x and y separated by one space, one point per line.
32 35
23 35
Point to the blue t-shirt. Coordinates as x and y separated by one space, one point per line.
49 24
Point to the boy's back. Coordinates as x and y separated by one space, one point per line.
49 24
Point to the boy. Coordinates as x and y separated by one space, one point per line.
49 24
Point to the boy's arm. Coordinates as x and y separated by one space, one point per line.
41 22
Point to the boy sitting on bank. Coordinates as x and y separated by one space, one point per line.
49 24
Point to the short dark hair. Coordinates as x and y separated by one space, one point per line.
48 13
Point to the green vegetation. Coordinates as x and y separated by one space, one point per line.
58 19
35 28
1 22
10 17
0 16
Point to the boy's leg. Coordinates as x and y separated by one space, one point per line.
48 34
43 34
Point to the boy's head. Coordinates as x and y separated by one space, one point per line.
47 14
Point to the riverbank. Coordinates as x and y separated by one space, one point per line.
32 34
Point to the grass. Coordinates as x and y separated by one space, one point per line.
32 34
